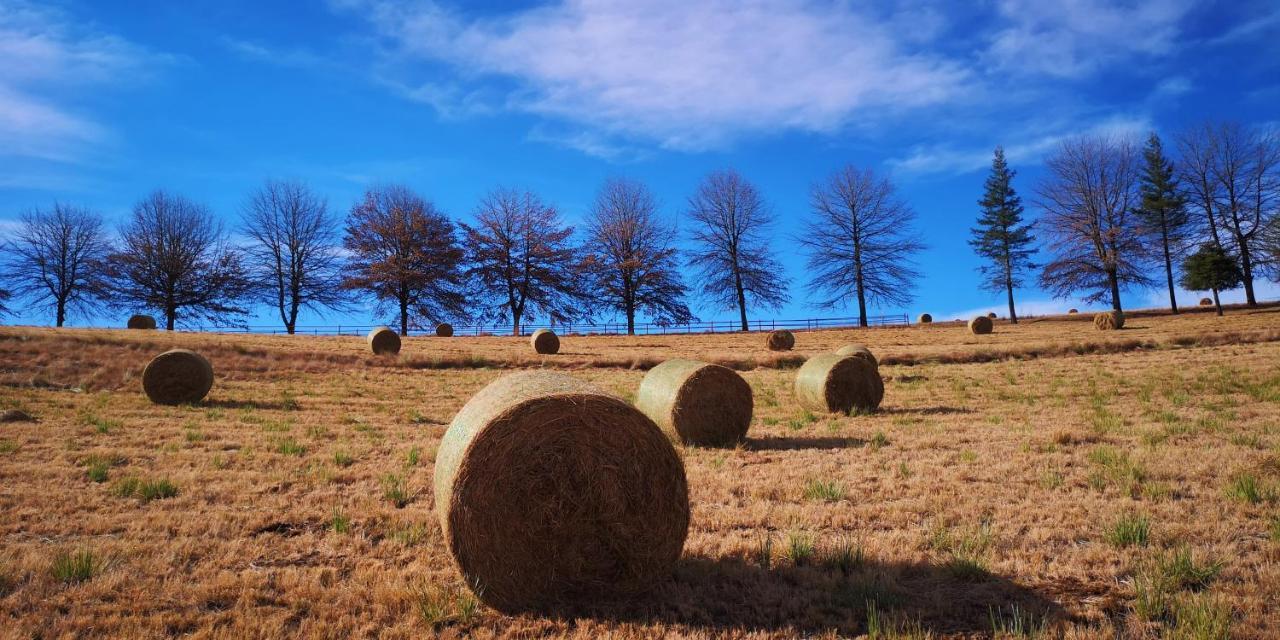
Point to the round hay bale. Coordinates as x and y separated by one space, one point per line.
858 351
992 315
140 321
924 318
981 325
545 342
780 340
553 494
1206 302
839 384
1108 321
178 376
444 330
703 404
1072 312
384 341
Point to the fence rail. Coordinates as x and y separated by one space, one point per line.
572 328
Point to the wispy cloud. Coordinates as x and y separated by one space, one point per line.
258 52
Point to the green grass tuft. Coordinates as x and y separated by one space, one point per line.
1129 530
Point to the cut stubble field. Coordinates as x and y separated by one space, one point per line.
1045 479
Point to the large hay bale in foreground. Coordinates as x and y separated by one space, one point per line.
140 321
553 494
839 384
924 318
444 330
178 376
780 340
703 404
545 342
981 325
1108 321
1206 302
384 341
858 351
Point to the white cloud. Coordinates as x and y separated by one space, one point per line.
686 75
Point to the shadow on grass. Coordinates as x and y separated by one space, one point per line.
786 443
265 405
924 411
731 594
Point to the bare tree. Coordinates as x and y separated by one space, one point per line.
733 255
404 251
521 258
1089 199
860 242
56 259
293 249
631 256
175 257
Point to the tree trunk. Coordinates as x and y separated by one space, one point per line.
404 317
1115 289
1216 302
862 300
742 298
62 312
1013 315
515 326
631 321
1246 265
170 317
1168 272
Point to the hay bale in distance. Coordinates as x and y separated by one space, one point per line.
780 340
1206 302
1108 321
992 315
444 330
139 321
925 318
545 342
981 325
178 376
553 494
1072 312
384 341
703 404
858 351
839 384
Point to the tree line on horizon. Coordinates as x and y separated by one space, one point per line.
1112 214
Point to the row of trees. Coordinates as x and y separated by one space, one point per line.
1114 215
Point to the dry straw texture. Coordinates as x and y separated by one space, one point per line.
1206 302
141 322
981 325
178 376
384 341
1109 321
444 330
545 342
839 384
858 351
780 340
925 318
553 495
702 404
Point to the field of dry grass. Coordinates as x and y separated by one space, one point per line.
1047 480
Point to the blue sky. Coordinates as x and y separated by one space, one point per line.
102 102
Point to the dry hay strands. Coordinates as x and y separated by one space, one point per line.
1206 302
702 404
981 325
384 341
178 376
780 340
925 319
140 321
545 342
1108 321
444 330
839 384
858 351
554 495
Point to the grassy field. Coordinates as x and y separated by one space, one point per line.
1047 480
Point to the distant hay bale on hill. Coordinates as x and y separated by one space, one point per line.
545 342
858 351
981 325
444 330
178 376
553 494
780 340
384 341
1072 312
925 318
140 321
1108 321
992 315
839 384
703 404
1206 302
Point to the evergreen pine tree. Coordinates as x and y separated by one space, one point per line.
1002 237
1211 269
1163 212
